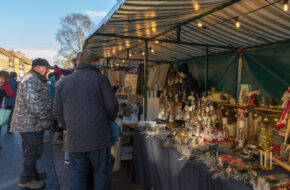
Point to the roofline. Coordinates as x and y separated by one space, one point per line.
14 56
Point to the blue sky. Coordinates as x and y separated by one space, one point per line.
30 25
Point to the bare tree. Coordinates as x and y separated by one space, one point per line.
74 28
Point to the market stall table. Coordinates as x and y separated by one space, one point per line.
155 166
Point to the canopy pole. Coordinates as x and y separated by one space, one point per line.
206 70
145 80
240 67
107 66
178 32
128 57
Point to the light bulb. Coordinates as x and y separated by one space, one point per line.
200 24
237 22
156 42
285 6
152 50
130 54
123 61
143 53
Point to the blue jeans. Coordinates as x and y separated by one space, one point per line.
100 160
66 154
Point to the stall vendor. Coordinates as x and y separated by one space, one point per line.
189 83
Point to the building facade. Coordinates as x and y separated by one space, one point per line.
14 61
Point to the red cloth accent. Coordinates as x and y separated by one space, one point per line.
276 148
251 100
246 107
282 121
9 92
287 106
58 71
280 126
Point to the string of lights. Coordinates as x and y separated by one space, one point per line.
236 19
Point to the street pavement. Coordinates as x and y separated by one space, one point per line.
11 163
51 162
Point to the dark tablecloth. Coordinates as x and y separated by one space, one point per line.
155 166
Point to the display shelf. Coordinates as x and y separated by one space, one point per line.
226 104
268 109
255 108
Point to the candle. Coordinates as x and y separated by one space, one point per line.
271 154
261 158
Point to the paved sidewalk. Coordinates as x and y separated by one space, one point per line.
11 163
52 162
120 179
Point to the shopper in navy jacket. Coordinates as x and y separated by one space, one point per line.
84 102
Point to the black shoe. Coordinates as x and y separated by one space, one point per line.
40 176
33 184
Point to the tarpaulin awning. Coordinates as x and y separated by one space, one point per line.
175 25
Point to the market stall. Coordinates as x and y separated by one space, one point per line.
234 134
159 167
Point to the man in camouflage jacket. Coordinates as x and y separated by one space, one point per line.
32 115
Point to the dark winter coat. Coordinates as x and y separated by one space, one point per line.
14 84
84 102
33 106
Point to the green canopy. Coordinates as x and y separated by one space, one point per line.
268 69
222 72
